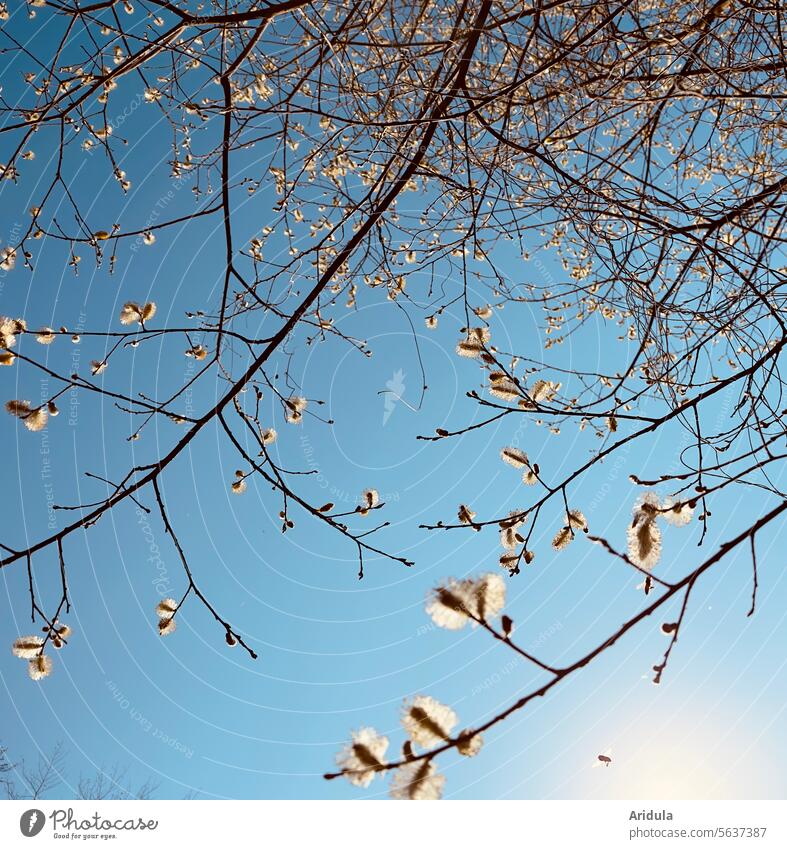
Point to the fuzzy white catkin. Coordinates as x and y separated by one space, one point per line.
39 667
452 604
418 781
360 759
427 721
514 457
166 607
27 648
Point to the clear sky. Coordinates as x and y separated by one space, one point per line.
337 653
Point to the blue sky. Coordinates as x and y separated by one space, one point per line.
336 653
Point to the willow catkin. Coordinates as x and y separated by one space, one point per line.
644 534
562 538
465 515
27 648
469 348
427 721
361 759
36 420
506 390
469 744
418 781
514 457
134 313
454 603
576 520
17 408
39 667
678 513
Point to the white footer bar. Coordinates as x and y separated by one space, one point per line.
379 825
